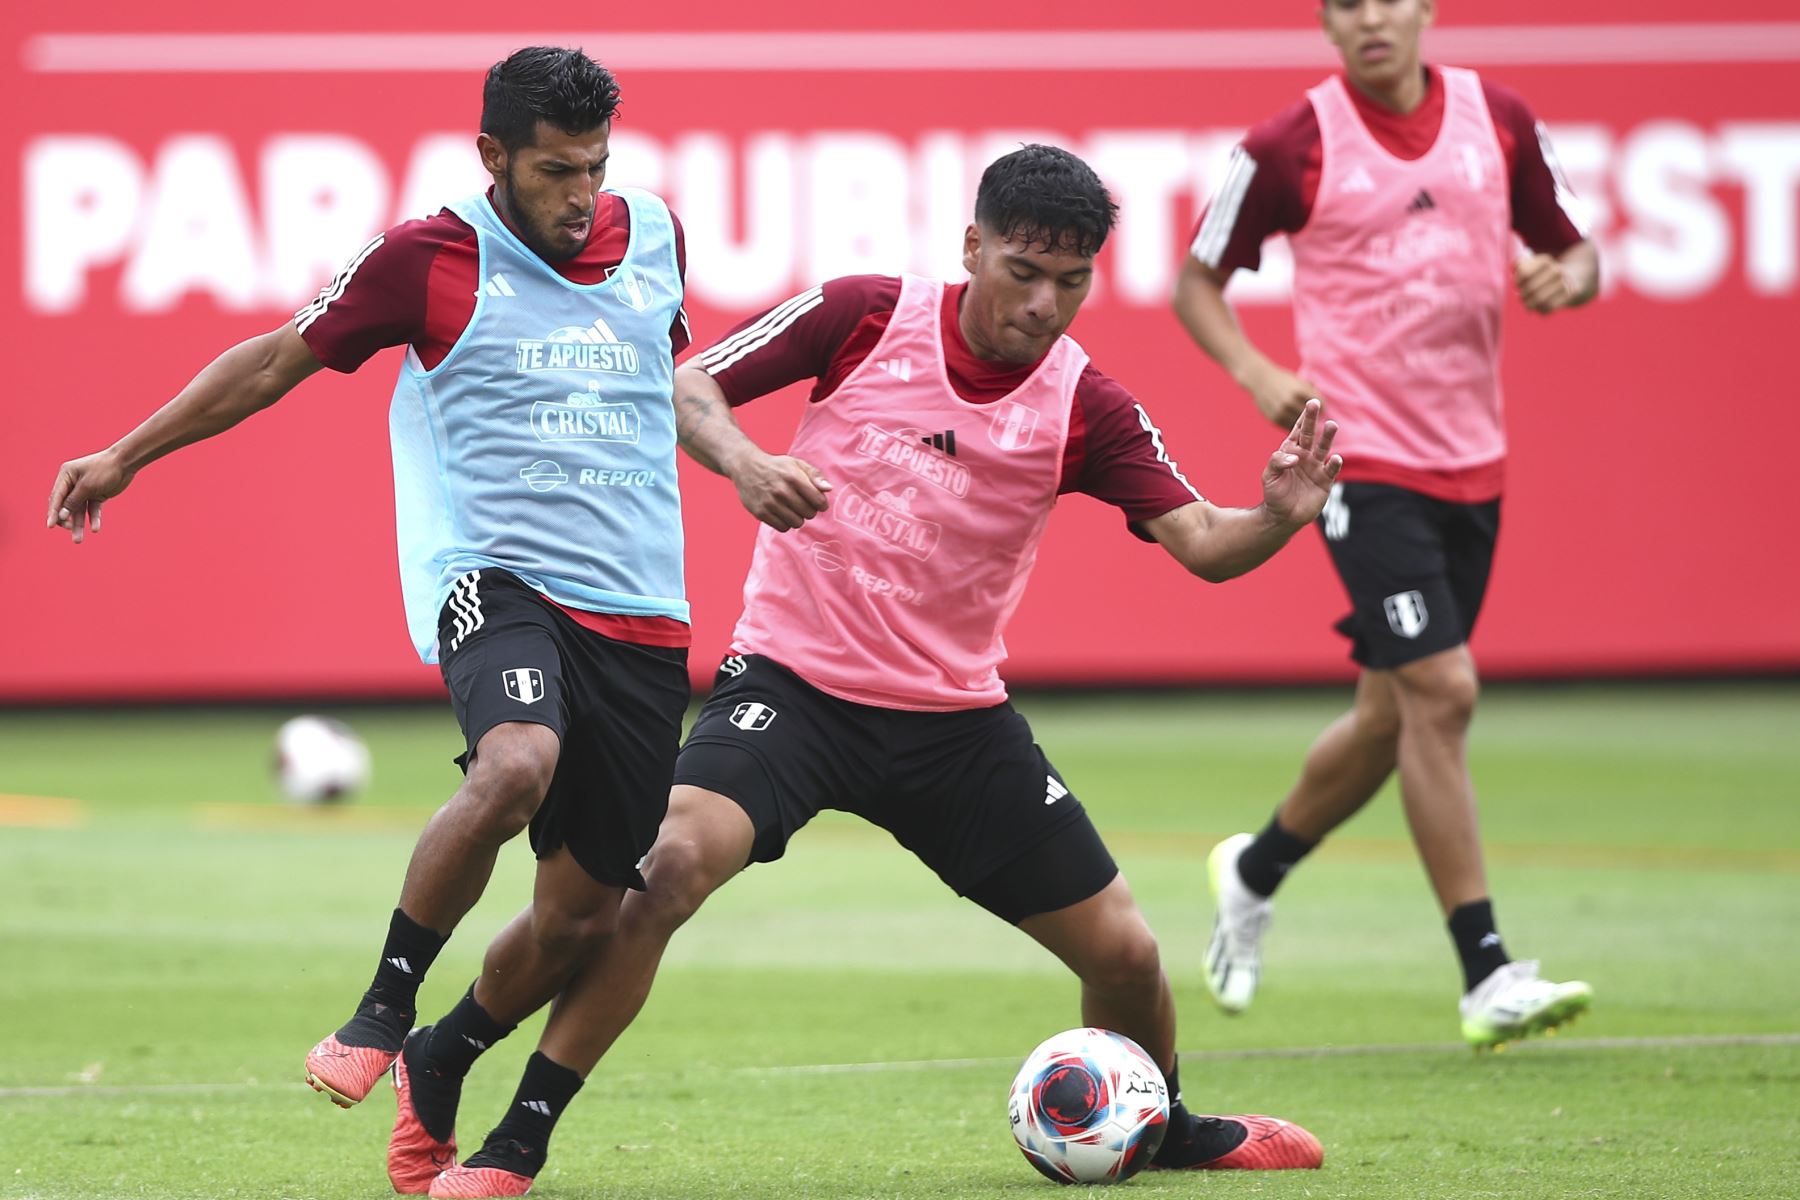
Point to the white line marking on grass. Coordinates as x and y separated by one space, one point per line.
1370 1051
1380 1050
131 1089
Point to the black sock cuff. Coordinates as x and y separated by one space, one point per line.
462 1035
1472 920
406 955
1477 941
1266 861
476 1020
547 1080
404 931
1285 841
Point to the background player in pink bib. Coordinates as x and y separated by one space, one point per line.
897 536
1404 191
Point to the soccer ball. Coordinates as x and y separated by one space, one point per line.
318 760
1089 1106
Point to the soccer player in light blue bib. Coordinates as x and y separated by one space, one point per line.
539 531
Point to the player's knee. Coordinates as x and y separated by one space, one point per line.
1127 963
507 782
1450 703
565 934
679 875
1441 693
1377 722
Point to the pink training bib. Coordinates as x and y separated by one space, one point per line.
1399 279
898 594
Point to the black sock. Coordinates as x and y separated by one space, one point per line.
465 1032
1266 861
386 1011
436 1095
405 957
521 1139
1193 1140
1477 941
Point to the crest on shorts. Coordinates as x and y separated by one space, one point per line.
1012 426
752 715
1406 614
524 684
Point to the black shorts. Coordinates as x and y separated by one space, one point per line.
1416 569
510 655
969 792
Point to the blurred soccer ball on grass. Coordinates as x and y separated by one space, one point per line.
319 761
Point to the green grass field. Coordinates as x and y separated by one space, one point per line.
173 939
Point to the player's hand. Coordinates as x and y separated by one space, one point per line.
781 491
81 487
1300 474
1280 395
1543 283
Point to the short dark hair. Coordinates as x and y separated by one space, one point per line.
545 83
1047 196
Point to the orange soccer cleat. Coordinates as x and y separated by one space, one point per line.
478 1183
346 1073
415 1157
1269 1144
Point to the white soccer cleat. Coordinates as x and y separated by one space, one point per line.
1240 917
1514 1003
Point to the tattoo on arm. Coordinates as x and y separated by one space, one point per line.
706 429
692 414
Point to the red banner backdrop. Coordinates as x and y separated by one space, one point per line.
179 190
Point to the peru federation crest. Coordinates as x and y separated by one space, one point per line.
1012 426
525 684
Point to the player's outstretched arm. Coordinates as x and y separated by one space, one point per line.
1222 543
1200 304
245 379
779 490
1548 282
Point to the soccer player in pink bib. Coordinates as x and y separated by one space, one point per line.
1404 191
898 533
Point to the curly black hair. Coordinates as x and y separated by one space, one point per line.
1047 196
545 83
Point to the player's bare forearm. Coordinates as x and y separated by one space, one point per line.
1200 305
1217 544
1549 283
1581 262
704 424
1222 543
244 380
781 491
